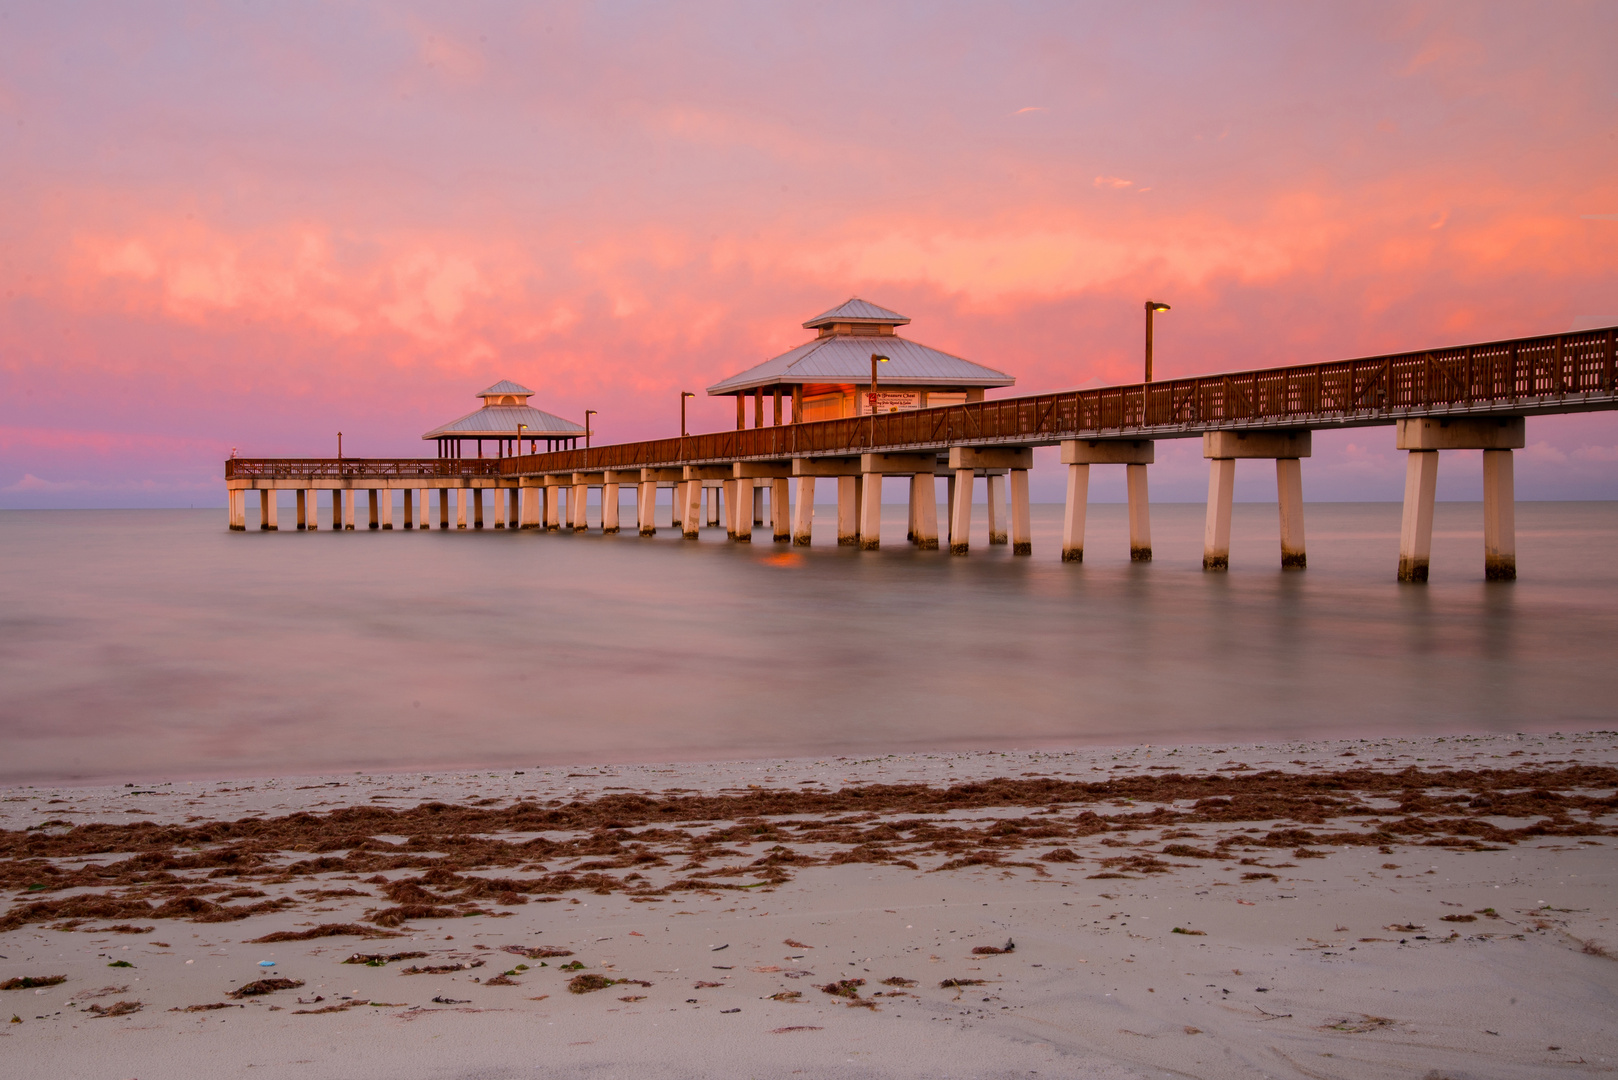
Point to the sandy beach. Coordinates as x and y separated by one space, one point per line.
1364 908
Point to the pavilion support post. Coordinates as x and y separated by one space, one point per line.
1416 525
1289 493
848 529
960 514
924 496
1140 514
996 484
386 497
409 509
797 403
609 509
1499 517
1073 511
1022 525
266 509
871 513
780 502
646 507
1216 531
692 510
299 497
746 498
803 512
348 510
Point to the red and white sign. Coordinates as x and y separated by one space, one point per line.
884 401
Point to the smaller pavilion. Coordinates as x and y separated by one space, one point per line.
508 421
830 376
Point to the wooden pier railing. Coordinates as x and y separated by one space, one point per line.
1559 373
359 468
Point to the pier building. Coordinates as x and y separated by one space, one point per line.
834 375
507 421
1458 397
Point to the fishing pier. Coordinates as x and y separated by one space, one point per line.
1464 397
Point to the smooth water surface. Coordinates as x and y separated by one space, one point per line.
141 645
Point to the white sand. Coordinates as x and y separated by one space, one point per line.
1098 985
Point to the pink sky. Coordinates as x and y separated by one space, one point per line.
252 227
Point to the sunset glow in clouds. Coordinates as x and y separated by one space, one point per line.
254 225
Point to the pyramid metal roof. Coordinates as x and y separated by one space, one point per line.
504 386
845 358
500 422
856 310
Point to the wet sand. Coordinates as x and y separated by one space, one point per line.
1362 908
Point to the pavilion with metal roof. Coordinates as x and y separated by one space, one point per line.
857 365
507 420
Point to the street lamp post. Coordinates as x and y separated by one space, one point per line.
587 414
683 395
520 429
339 446
876 358
1151 306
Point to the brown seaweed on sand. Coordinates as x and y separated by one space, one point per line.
265 986
28 982
324 930
118 1008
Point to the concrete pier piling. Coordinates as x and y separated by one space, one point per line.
803 512
1073 511
744 510
409 509
1135 455
1424 438
348 510
1022 525
780 509
266 510
1140 513
299 502
373 518
1222 449
996 483
871 511
646 505
848 528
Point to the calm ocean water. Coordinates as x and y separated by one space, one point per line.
145 645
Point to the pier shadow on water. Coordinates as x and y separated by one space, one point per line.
145 645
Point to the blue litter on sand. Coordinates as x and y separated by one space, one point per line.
266 963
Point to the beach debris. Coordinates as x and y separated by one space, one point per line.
898 980
576 965
633 998
28 982
381 959
121 963
789 943
1365 1023
208 1008
451 1001
324 930
957 984
539 952
702 985
1404 928
442 969
264 986
122 928
117 1008
1191 933
766 969
843 988
794 1027
504 979
1189 1030
1260 876
585 984
729 1011
802 973
990 950
266 963
716 948
340 1007
1060 854
787 995
1460 918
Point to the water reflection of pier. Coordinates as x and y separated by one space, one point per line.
1472 397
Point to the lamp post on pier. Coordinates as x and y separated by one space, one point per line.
683 395
520 429
1151 307
339 446
587 414
876 358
